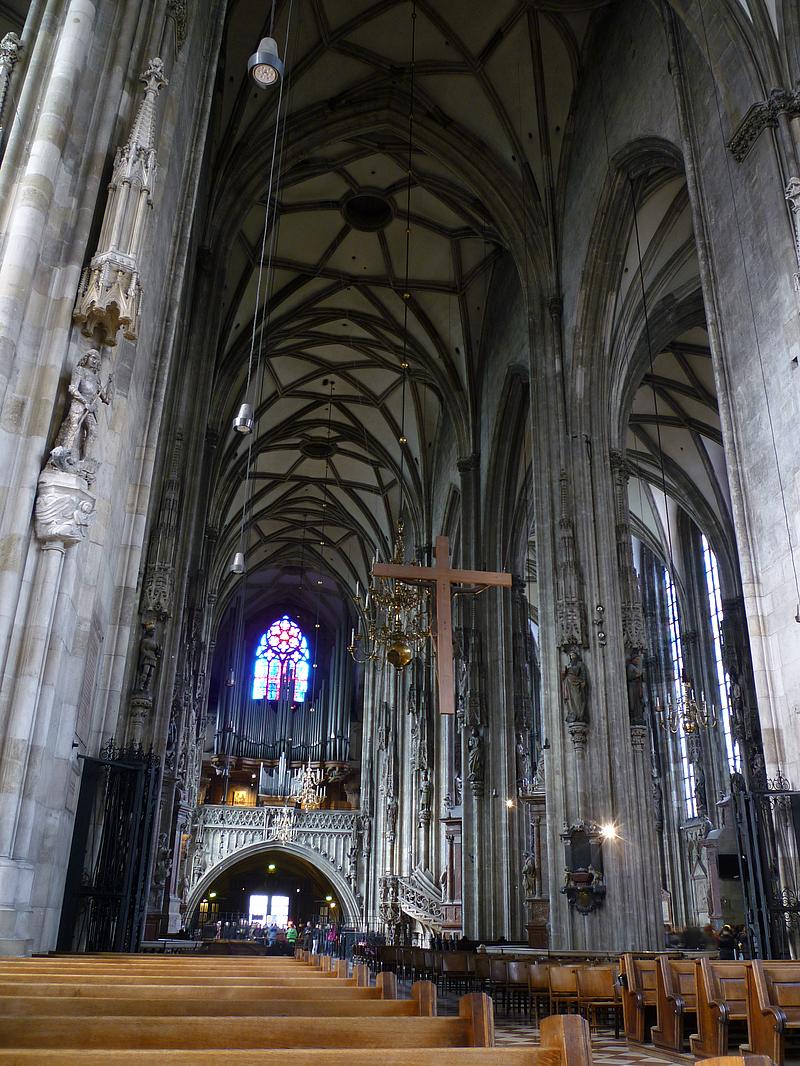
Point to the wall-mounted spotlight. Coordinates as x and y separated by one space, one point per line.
609 831
265 66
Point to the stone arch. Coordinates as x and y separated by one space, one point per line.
351 912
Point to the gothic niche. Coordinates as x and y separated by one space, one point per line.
584 883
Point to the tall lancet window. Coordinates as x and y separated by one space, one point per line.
281 666
688 782
722 679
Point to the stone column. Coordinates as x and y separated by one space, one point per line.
64 507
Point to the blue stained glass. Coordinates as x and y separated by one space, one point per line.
281 662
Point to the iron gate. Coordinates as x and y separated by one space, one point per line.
105 891
768 833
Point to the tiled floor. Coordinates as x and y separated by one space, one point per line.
606 1049
513 1029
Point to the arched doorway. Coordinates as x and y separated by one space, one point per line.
274 873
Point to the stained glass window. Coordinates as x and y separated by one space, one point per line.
715 614
676 655
281 662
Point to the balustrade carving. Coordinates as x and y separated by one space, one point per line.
221 831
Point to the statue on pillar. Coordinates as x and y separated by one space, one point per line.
529 877
524 764
634 674
149 655
574 684
475 764
73 447
425 797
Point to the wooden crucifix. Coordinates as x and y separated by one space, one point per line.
443 575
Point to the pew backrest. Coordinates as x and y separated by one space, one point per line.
473 1027
640 978
679 977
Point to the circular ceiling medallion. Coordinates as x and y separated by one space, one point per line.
317 449
368 209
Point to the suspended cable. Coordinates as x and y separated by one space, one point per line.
752 315
406 292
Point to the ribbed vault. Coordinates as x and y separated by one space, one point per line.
493 97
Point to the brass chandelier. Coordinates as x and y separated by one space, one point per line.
686 712
284 828
395 616
312 789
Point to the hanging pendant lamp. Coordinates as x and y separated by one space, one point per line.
243 423
237 566
265 66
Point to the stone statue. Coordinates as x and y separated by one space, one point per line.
573 690
391 818
79 428
443 884
425 796
163 861
458 791
149 655
475 761
529 876
462 689
634 673
658 801
700 788
524 768
364 823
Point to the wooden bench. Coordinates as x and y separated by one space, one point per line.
564 1042
638 991
676 1001
61 977
739 1060
422 1003
473 1027
773 1007
721 999
202 993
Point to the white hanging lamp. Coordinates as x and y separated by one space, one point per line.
237 566
265 66
243 423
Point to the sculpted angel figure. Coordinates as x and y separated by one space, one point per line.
79 428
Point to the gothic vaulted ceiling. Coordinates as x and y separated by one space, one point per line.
494 85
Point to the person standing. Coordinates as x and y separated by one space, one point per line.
291 935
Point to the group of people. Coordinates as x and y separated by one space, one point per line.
318 939
732 941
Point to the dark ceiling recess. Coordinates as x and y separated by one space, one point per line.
317 449
368 210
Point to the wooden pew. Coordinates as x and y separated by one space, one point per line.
676 1001
637 980
564 1042
204 993
70 977
773 1007
739 1060
473 1027
422 1004
721 999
